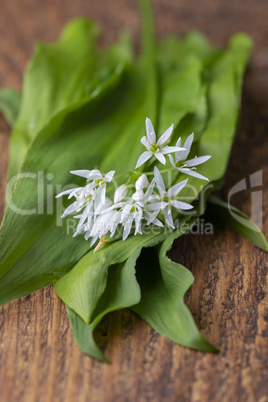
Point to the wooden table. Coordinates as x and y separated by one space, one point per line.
39 360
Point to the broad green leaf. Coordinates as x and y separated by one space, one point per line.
113 125
122 291
214 128
35 249
120 52
10 101
240 45
97 121
224 94
181 92
180 61
163 285
26 239
194 122
173 51
59 75
223 215
83 286
51 150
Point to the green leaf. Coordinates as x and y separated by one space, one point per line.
59 75
122 291
223 215
224 95
10 101
163 285
36 246
59 147
181 93
181 69
83 286
173 51
224 79
36 249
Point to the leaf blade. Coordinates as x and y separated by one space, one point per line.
162 305
10 101
226 216
122 291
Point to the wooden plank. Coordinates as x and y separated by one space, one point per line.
39 360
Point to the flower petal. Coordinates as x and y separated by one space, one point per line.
149 190
127 227
174 190
77 192
120 193
193 173
70 209
143 158
138 218
142 182
115 220
109 176
187 145
145 142
156 206
154 198
178 153
117 205
150 131
89 189
172 161
93 241
66 192
103 195
164 137
86 214
81 173
178 143
150 217
180 204
138 196
159 181
157 222
167 150
160 157
94 175
168 217
197 161
125 212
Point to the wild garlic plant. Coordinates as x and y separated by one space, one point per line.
138 203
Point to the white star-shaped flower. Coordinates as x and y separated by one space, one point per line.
188 166
97 179
83 195
157 149
168 197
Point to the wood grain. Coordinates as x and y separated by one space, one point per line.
39 360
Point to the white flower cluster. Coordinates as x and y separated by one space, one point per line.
136 205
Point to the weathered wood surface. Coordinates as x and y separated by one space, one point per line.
39 360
